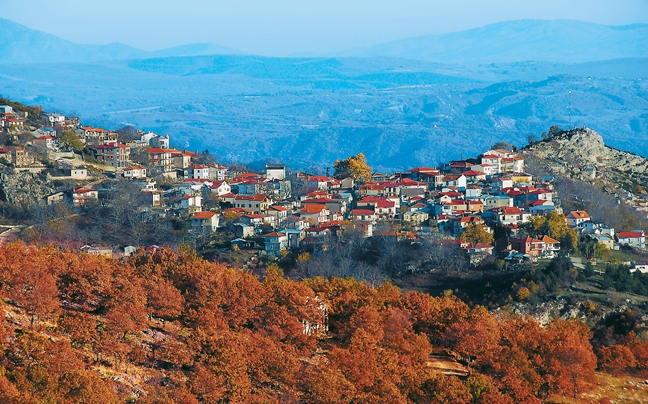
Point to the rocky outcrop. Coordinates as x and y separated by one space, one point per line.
24 188
546 312
582 154
561 308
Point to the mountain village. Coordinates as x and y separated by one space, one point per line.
481 207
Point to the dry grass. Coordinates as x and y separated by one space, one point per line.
612 390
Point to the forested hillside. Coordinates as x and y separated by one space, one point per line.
168 327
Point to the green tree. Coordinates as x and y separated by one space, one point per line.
554 226
600 249
554 130
589 270
503 145
355 167
71 140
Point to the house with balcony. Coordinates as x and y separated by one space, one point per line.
116 155
197 172
528 245
96 136
217 172
256 203
512 164
636 238
135 172
275 242
204 222
550 248
181 159
83 196
363 215
161 159
498 184
545 247
192 203
279 212
315 214
252 219
220 188
455 180
429 175
577 217
372 189
162 142
493 161
512 216
47 142
497 201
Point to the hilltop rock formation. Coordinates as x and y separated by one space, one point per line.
581 154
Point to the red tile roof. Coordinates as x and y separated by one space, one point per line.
372 187
157 150
313 208
423 170
549 240
473 173
203 215
451 177
386 204
579 214
274 234
630 234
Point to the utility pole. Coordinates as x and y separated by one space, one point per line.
569 108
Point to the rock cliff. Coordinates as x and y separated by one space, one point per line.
581 153
24 188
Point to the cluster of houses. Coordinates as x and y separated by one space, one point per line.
10 119
293 210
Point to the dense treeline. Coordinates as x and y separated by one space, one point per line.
169 327
620 278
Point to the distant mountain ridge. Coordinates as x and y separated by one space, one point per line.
563 41
22 45
560 41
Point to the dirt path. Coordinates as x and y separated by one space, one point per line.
4 236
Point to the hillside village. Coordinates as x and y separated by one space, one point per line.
483 207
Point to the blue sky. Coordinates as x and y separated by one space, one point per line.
284 27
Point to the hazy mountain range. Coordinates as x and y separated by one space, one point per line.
310 111
19 44
563 41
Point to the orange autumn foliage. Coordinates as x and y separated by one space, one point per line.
200 332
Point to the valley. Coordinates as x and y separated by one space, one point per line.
310 111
